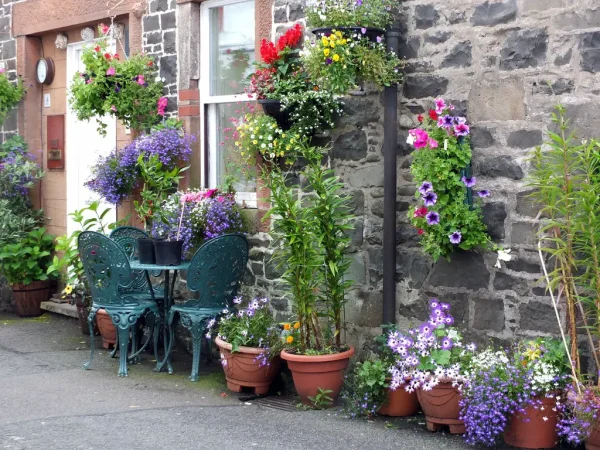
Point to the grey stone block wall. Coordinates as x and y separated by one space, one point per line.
159 36
504 64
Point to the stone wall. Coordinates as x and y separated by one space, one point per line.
160 41
504 64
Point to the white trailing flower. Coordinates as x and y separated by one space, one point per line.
503 255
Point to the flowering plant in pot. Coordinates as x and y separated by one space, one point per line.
283 88
342 14
249 341
127 88
446 218
579 414
365 388
341 60
312 231
432 360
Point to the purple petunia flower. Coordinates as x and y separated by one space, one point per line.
461 129
460 120
483 193
446 122
433 218
363 30
430 198
425 187
469 182
455 237
379 39
328 61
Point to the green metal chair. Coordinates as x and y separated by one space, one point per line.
109 275
215 271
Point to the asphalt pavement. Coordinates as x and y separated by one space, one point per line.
48 402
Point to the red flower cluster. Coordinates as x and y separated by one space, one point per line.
420 212
433 115
268 52
290 38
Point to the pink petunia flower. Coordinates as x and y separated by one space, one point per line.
440 105
111 71
432 143
140 80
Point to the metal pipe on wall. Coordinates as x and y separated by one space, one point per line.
390 142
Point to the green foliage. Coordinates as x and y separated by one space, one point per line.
365 389
340 13
27 260
340 62
322 400
11 94
566 182
123 88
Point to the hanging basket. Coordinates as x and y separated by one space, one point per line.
273 108
370 33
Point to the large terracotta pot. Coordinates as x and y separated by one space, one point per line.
29 297
593 440
400 403
529 429
108 331
242 369
311 373
441 407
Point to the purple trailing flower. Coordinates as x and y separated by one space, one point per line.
363 30
430 198
359 2
469 182
462 129
432 218
328 61
446 121
379 39
455 237
222 216
425 187
484 193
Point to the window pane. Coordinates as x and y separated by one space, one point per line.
231 47
222 148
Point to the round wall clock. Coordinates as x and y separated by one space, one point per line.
44 71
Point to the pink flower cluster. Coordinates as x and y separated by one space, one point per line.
198 196
162 105
420 139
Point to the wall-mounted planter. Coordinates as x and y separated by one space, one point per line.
272 107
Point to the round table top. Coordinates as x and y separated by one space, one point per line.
136 265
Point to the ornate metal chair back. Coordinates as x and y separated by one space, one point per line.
217 268
126 238
106 267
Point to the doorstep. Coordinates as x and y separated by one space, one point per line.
64 309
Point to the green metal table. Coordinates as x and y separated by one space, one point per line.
167 302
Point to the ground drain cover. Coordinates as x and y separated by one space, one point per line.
281 402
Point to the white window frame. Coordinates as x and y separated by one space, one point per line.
206 99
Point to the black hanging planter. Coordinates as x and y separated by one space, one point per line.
145 248
371 33
168 253
272 107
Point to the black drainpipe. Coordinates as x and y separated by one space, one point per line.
390 142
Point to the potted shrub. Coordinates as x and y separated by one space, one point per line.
284 90
579 413
25 265
248 339
432 360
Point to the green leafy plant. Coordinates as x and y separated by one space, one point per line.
354 13
342 60
11 93
322 400
27 260
365 388
126 88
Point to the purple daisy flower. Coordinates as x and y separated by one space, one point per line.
433 218
425 187
430 198
448 320
328 61
425 329
483 193
455 237
462 129
446 122
447 344
469 182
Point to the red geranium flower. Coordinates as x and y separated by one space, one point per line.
421 231
268 52
420 118
107 55
433 115
420 212
97 48
150 63
116 56
290 38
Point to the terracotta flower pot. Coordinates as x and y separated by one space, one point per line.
29 297
400 403
311 373
441 407
593 440
107 328
242 369
530 430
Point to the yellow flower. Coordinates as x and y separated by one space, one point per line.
336 57
286 326
343 41
237 143
297 325
332 44
290 339
326 52
338 34
324 40
68 289
255 142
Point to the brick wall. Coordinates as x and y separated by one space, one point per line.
504 64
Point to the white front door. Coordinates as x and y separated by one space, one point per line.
84 146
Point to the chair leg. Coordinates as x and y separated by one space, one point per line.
197 347
157 325
91 318
123 347
116 349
